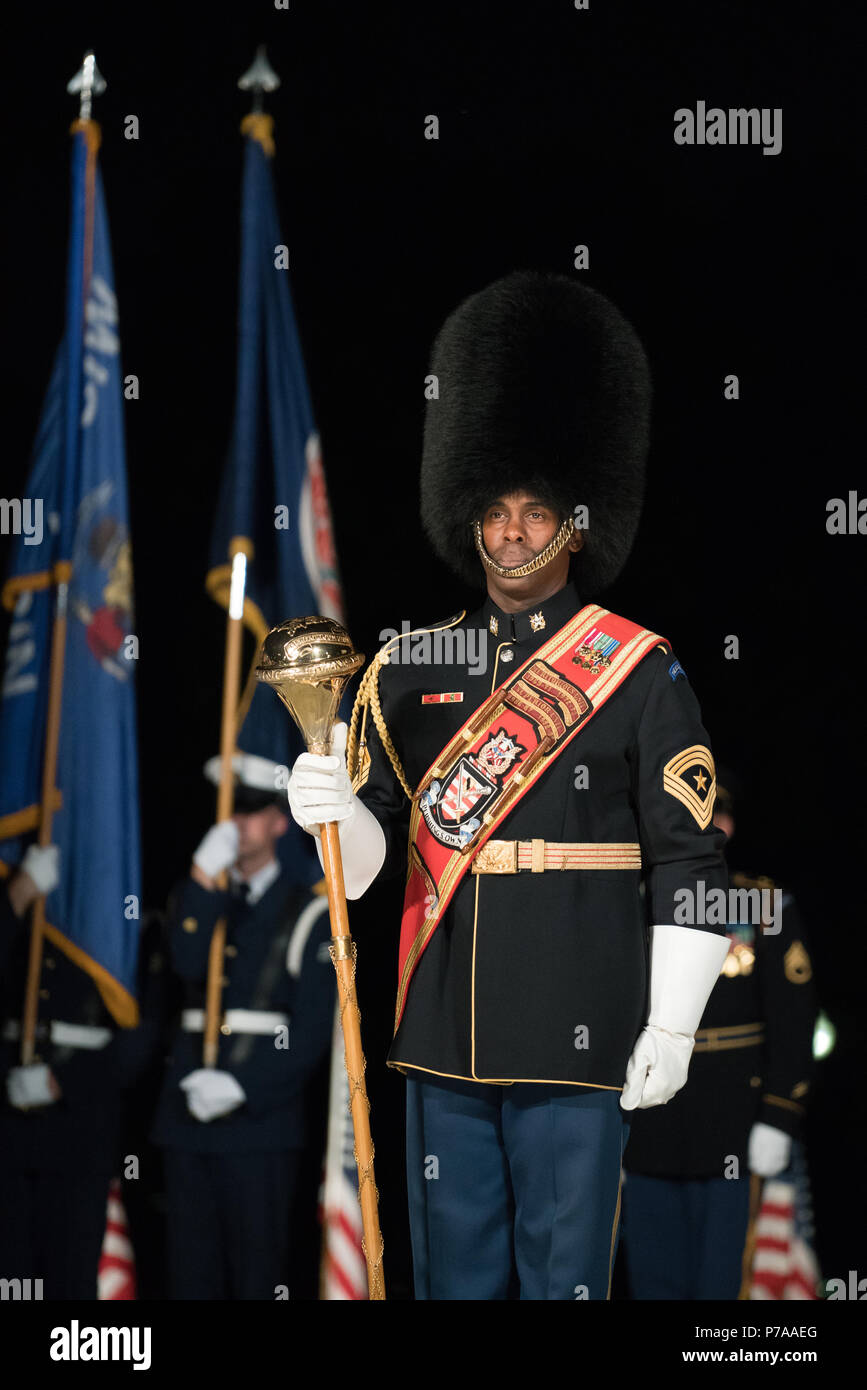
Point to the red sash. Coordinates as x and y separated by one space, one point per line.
501 751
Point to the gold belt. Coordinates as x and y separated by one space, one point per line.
512 856
736 1035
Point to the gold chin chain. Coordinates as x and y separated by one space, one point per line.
551 549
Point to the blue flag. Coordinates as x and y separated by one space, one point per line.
77 493
273 496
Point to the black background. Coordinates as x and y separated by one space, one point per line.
556 128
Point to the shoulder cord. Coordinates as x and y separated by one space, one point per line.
368 698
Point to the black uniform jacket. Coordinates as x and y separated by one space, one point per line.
79 1131
752 1059
255 970
543 976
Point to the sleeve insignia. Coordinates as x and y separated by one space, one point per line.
796 964
691 777
675 670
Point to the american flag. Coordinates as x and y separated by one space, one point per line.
343 1273
116 1273
783 1264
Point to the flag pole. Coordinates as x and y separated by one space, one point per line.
89 82
240 551
259 78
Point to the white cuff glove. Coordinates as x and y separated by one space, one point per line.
31 1085
42 863
684 967
319 791
218 850
211 1094
769 1150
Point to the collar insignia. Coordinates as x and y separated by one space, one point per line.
493 625
537 622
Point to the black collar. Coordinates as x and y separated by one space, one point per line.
537 623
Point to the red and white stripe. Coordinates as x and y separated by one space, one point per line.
116 1272
344 1268
784 1267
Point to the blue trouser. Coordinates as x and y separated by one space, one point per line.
228 1222
514 1191
684 1238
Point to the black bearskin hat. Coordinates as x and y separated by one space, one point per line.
543 388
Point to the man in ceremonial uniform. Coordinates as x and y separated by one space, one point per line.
541 757
689 1166
233 1134
59 1115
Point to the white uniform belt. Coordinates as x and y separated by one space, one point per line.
236 1021
85 1035
513 856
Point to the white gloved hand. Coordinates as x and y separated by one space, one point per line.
218 850
31 1085
319 791
684 967
769 1150
42 863
211 1094
657 1068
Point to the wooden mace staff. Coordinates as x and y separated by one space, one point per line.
307 662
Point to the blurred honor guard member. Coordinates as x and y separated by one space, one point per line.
687 1198
542 760
233 1135
58 1116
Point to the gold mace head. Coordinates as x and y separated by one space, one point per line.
308 662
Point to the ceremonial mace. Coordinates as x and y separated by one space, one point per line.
308 662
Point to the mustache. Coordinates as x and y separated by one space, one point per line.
521 549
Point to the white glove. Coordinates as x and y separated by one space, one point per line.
320 790
31 1085
684 967
769 1150
211 1094
42 863
218 850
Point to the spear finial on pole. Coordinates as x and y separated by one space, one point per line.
90 82
260 77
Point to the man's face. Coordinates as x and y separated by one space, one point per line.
517 527
258 833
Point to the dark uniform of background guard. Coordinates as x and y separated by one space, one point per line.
229 1180
57 1160
752 1064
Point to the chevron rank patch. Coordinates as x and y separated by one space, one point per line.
691 777
675 670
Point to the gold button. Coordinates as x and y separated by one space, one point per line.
224 980
50 962
224 1028
189 924
755 1081
44 994
231 950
